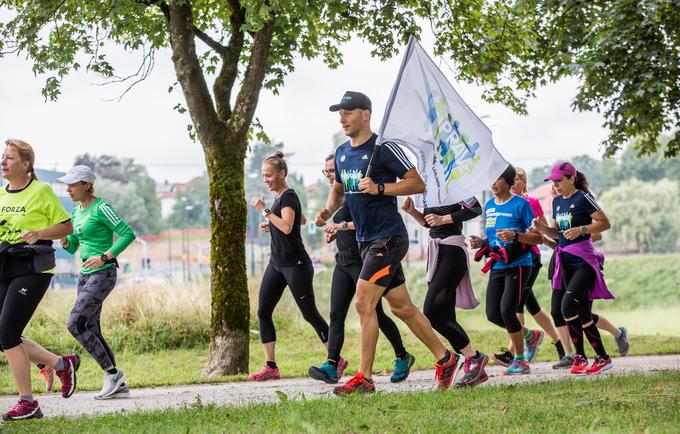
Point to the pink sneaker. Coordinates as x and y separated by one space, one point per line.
266 373
23 410
68 375
342 365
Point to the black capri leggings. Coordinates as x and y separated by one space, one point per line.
343 288
574 300
19 298
528 296
503 295
299 279
440 301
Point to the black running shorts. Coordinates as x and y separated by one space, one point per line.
382 261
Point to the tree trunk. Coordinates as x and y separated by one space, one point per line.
230 315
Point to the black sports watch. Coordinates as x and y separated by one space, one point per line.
516 236
104 258
381 189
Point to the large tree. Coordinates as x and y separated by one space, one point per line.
247 45
624 51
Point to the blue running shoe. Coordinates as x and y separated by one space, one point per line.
532 345
402 367
518 367
326 373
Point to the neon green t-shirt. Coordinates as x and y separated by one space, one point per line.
93 228
33 208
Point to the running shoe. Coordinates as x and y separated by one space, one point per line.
580 365
445 374
23 410
68 375
622 342
342 365
115 386
518 367
474 371
326 373
533 344
48 374
265 373
600 365
503 358
565 362
402 367
356 384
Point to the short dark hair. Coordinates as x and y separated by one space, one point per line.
509 175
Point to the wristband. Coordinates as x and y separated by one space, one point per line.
343 226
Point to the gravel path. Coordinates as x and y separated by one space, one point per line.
241 393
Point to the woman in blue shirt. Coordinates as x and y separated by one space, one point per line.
508 218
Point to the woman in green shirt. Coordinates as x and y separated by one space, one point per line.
30 217
94 223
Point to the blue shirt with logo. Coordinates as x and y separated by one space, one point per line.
514 215
374 216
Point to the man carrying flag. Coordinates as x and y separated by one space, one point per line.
381 233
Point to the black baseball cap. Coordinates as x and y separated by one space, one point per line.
352 100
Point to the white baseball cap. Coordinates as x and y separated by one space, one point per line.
77 174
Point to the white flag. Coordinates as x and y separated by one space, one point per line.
455 153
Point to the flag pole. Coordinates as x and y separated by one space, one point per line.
390 102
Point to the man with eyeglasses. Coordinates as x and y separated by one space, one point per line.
343 286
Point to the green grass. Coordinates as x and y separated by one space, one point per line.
161 333
296 351
633 403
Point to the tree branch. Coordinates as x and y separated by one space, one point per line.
246 102
189 73
210 42
224 83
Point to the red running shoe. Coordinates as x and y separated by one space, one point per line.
342 365
264 374
580 365
444 374
48 374
474 371
356 384
23 410
600 365
68 375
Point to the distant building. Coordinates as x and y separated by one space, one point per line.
167 194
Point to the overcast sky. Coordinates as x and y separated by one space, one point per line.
143 125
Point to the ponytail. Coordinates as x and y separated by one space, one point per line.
278 162
581 183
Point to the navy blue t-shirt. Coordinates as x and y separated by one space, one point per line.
571 213
374 216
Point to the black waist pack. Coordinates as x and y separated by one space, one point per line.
24 259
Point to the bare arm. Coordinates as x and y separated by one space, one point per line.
409 207
54 232
411 183
285 222
335 199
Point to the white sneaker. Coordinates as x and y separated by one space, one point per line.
115 386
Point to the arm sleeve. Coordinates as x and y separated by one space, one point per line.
590 205
536 207
395 159
113 221
290 200
73 244
469 209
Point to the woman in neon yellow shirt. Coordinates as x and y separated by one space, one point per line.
94 223
30 217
